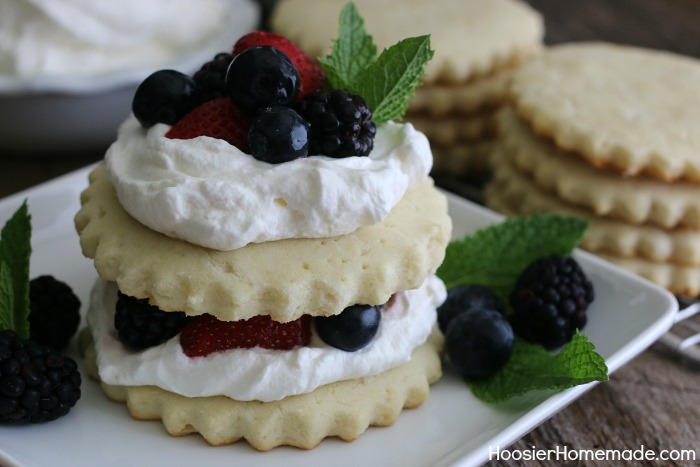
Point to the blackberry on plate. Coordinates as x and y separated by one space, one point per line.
262 76
341 124
210 80
54 311
479 342
550 300
352 329
278 134
463 297
141 325
164 97
37 384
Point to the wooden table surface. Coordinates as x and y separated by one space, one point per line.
653 401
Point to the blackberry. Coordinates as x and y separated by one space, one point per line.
550 300
341 124
210 80
54 312
140 325
37 384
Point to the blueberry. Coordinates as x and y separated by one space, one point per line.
350 330
278 134
262 76
479 342
463 297
164 97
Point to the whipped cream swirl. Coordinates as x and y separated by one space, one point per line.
260 374
208 192
87 37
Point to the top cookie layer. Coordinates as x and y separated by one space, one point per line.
635 110
284 279
470 37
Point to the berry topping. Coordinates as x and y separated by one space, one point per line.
550 300
204 335
260 77
140 325
218 118
479 342
311 75
211 78
463 297
341 124
164 97
352 329
54 312
37 384
278 134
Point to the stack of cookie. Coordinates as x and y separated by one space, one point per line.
610 133
477 46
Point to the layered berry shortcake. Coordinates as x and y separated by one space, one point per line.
266 255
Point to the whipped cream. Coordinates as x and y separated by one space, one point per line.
87 37
260 374
210 193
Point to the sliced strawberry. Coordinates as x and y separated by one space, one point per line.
205 334
218 118
311 74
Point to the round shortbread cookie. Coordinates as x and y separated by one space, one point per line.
635 110
344 409
455 129
488 92
284 279
470 37
679 280
634 199
511 192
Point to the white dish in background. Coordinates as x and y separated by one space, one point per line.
50 115
451 428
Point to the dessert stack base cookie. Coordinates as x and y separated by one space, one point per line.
608 133
477 47
344 409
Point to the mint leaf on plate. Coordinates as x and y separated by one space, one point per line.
15 250
352 52
495 255
532 367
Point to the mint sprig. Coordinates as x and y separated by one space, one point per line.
387 83
532 367
352 51
495 255
15 250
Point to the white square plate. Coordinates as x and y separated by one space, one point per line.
451 428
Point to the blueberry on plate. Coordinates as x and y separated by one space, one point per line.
164 97
463 297
352 329
479 342
262 76
278 134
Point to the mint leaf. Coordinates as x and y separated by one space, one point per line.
496 255
388 84
15 250
352 52
532 367
7 302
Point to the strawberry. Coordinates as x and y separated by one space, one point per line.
205 334
311 74
218 118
